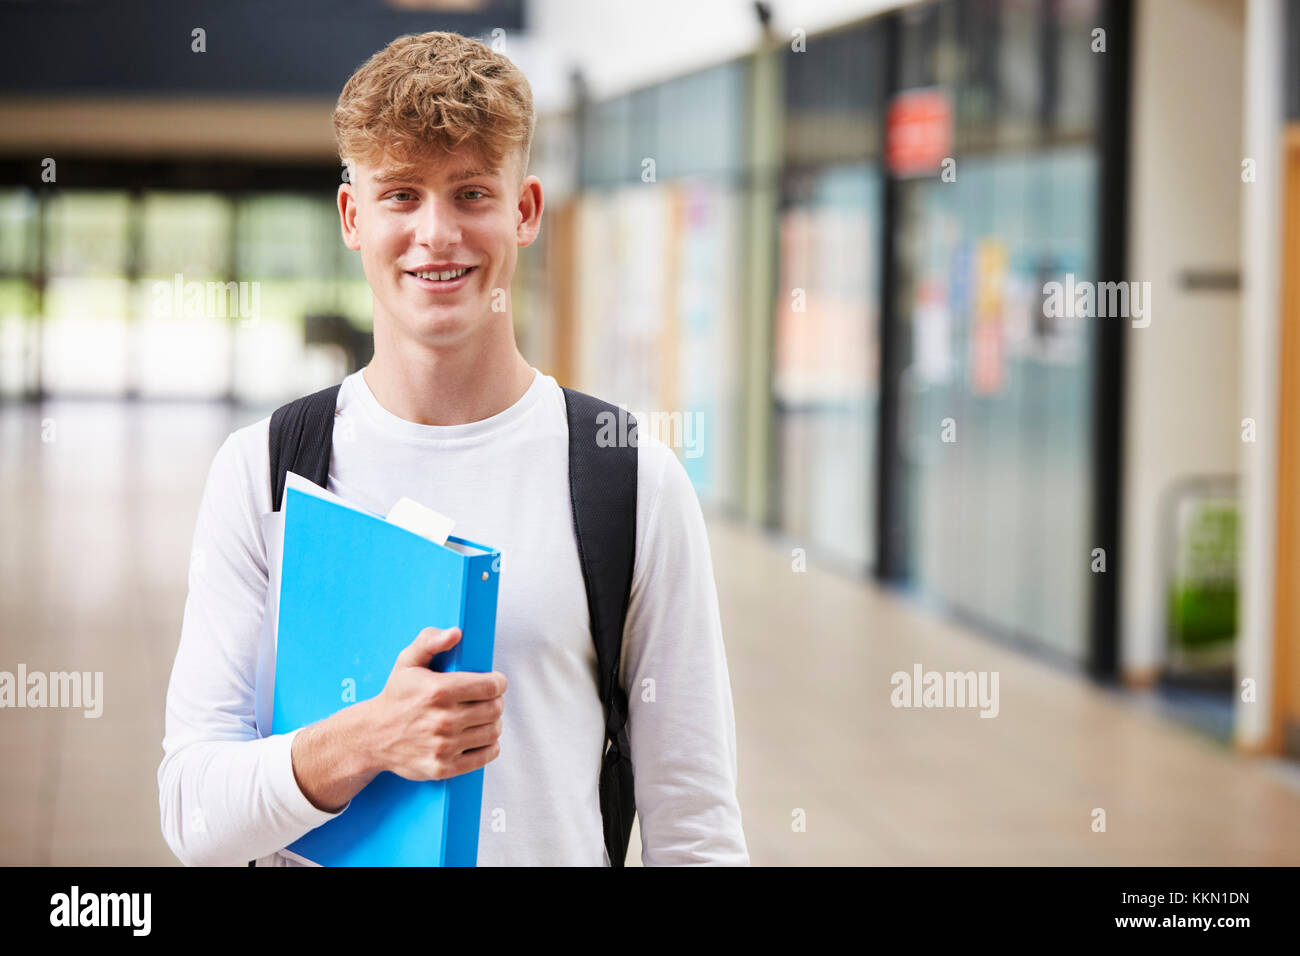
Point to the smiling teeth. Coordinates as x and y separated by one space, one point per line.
442 276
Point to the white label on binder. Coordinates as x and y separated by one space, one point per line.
421 519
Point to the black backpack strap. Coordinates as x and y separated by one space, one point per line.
300 439
602 486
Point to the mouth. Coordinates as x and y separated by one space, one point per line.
443 281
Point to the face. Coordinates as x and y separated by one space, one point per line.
439 244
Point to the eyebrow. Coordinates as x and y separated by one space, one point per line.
385 176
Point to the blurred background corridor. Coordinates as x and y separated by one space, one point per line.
975 323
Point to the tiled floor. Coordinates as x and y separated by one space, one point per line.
94 538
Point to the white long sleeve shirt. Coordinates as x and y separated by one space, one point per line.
226 787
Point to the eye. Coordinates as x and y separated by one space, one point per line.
401 192
478 191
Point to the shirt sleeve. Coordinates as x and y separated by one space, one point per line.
681 724
227 795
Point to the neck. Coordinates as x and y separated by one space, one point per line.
456 385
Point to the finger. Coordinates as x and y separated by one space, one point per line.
427 643
470 686
477 713
474 759
481 736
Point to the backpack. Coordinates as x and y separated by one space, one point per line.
602 492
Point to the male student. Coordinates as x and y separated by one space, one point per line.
436 131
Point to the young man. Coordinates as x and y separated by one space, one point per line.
436 131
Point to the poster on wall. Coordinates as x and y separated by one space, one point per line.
825 323
932 333
988 358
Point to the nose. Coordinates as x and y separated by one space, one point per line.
437 226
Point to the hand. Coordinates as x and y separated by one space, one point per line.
428 725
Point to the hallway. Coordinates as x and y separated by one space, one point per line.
96 527
900 786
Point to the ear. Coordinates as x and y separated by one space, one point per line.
529 214
347 200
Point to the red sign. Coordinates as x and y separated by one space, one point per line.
918 132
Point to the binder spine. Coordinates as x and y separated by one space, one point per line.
479 612
478 635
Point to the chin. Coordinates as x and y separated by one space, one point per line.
443 330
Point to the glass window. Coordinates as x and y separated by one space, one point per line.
287 249
17 331
607 157
709 375
1021 72
1077 77
84 334
17 261
184 303
701 123
286 237
187 233
995 413
84 345
832 97
17 222
826 359
88 234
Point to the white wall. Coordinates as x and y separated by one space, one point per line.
1261 254
1183 397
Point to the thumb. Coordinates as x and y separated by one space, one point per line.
427 643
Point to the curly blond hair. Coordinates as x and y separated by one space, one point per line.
430 93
